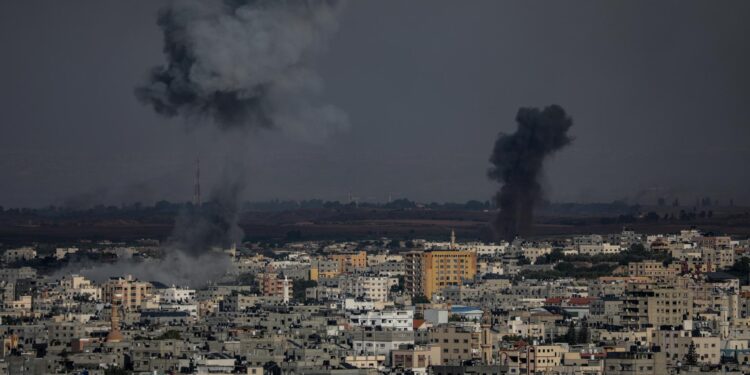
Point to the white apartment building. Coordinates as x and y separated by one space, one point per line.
79 286
390 319
533 252
370 288
22 253
599 249
175 295
62 252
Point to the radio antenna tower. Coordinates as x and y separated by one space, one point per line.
197 188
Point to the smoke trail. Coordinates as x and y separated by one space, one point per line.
517 161
244 64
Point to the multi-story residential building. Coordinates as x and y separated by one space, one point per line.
371 288
718 257
273 284
322 268
646 305
677 343
457 343
390 319
592 239
606 311
654 269
128 291
374 342
350 262
642 362
79 286
12 274
525 329
541 358
389 268
175 295
416 359
62 252
533 252
599 249
715 242
428 272
323 293
16 255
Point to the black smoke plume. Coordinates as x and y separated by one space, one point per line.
214 224
517 160
244 64
187 257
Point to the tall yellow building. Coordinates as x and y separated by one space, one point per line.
428 272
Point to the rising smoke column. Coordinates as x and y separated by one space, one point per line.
244 64
234 64
517 160
214 224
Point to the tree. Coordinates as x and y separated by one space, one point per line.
398 288
570 335
583 333
170 335
299 286
740 268
554 256
420 299
691 358
651 216
115 371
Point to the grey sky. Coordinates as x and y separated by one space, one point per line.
658 90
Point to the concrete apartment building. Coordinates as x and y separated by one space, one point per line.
323 269
459 343
676 344
17 255
368 287
374 342
718 257
130 292
715 242
350 262
77 286
599 249
650 306
532 253
635 362
428 272
390 319
416 358
273 284
654 269
541 358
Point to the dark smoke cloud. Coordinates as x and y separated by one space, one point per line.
517 160
245 64
213 225
187 257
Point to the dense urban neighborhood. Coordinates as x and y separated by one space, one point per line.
624 303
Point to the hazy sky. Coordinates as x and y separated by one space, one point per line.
659 92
